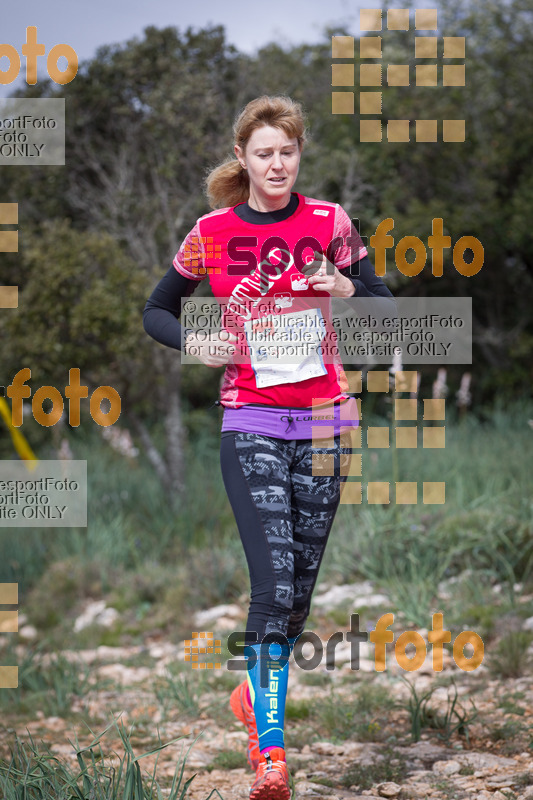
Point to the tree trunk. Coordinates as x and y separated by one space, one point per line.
154 456
170 465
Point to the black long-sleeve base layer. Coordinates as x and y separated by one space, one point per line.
163 308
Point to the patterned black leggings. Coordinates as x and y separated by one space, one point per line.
284 495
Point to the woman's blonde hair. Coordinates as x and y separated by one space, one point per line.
228 184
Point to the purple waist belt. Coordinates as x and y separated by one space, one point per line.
293 423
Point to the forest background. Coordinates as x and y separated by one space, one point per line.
145 121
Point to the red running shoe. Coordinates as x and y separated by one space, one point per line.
272 779
241 707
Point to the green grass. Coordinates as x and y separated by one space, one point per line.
49 684
508 730
130 518
510 658
179 695
484 529
361 714
228 759
509 704
388 766
314 678
297 709
455 719
157 566
35 773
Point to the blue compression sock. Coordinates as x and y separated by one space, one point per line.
268 700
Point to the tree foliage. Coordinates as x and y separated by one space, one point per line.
147 119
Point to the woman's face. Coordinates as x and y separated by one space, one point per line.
272 161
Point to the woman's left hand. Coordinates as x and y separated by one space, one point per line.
325 277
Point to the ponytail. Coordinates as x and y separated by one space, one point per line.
227 185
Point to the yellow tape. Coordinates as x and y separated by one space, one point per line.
21 445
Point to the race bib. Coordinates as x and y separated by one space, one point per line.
285 348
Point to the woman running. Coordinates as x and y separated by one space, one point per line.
274 259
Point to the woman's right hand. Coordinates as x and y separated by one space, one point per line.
214 349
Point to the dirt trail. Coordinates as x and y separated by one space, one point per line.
328 757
